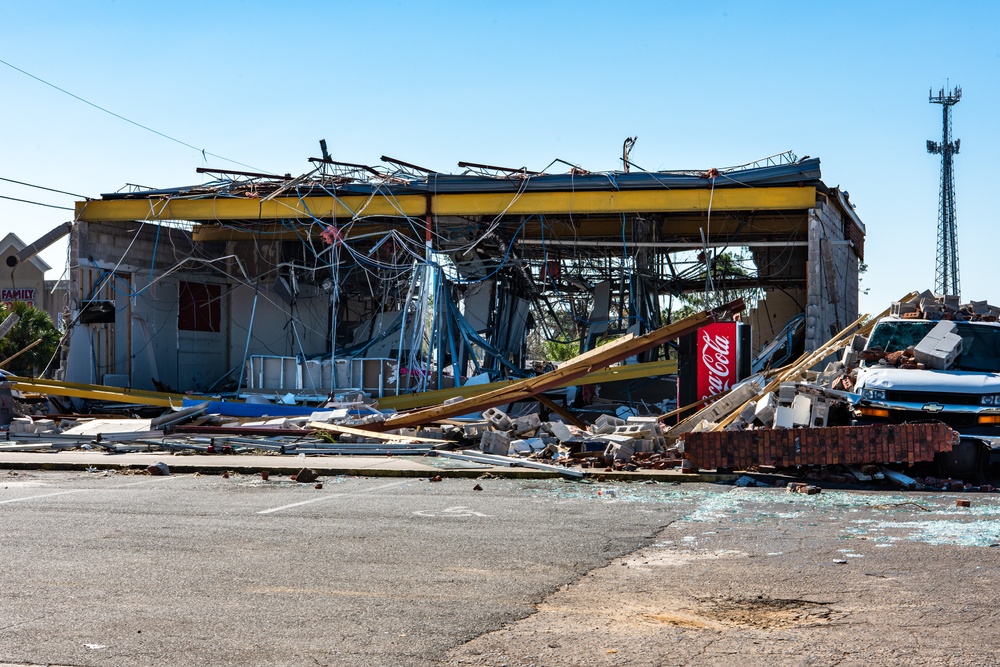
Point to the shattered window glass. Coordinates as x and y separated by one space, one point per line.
980 343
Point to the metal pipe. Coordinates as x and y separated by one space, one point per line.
669 244
41 244
178 416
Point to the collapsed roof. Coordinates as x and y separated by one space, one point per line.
449 274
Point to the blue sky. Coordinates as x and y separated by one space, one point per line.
517 84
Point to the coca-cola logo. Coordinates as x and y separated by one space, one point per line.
718 363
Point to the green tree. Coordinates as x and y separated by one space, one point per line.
555 336
556 351
725 266
34 324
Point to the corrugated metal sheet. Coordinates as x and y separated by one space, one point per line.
805 171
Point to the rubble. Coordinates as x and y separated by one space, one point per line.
795 420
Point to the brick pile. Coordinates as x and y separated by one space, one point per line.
848 445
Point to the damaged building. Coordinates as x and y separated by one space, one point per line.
398 279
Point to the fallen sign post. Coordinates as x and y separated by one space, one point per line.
364 433
19 352
495 459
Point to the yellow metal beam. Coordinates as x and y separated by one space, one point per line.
403 402
627 201
470 204
101 393
427 398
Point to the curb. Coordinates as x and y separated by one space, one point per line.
234 464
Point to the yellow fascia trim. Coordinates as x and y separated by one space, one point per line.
486 204
221 209
665 201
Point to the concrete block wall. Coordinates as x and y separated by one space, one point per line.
136 244
832 291
146 305
772 313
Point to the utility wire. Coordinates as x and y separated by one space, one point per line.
40 187
36 203
127 120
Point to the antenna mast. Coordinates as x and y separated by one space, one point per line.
946 273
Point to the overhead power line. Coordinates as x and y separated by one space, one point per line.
37 203
42 187
127 120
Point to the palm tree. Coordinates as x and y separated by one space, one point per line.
34 324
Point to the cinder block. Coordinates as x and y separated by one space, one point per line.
559 430
649 421
527 446
330 416
526 424
784 417
786 393
617 439
820 413
606 424
44 426
474 429
940 347
619 452
766 406
498 419
703 425
632 430
495 442
801 410
21 425
644 445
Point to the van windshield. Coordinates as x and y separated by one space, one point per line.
980 342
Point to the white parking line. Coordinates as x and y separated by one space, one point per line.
63 493
44 495
148 481
330 496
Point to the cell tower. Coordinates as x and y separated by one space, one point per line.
946 274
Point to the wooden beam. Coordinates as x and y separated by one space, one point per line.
423 399
578 367
561 411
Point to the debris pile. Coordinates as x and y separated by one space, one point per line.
793 420
928 306
610 443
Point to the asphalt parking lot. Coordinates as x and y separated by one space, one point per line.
117 569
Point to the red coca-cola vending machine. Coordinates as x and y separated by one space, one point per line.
711 360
